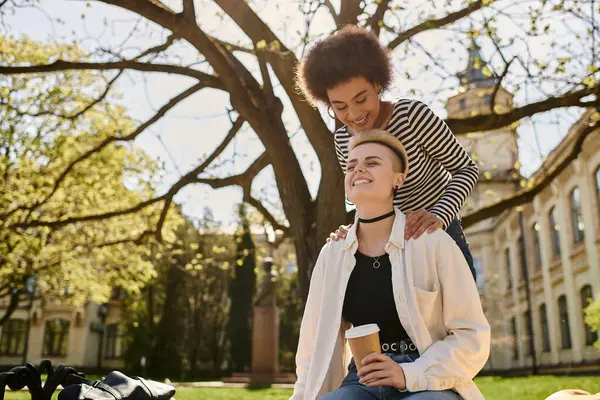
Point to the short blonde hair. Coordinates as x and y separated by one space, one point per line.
385 138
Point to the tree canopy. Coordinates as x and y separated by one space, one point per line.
545 52
52 182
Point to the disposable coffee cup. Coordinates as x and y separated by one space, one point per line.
363 340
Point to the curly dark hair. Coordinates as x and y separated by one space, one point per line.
349 53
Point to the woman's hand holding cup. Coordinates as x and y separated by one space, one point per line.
381 370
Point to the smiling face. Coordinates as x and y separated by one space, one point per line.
372 172
355 103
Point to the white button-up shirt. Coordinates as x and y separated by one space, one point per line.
437 303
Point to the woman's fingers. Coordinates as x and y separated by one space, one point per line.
413 221
380 382
374 376
420 221
340 233
424 225
373 357
437 225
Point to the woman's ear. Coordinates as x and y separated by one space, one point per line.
399 181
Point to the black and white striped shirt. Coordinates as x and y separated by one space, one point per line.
441 173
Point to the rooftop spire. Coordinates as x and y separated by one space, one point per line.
477 74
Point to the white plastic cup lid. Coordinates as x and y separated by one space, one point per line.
362 330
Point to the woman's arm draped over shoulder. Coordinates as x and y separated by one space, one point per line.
464 352
308 328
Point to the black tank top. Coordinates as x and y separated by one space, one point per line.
370 299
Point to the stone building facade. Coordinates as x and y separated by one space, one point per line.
85 337
539 264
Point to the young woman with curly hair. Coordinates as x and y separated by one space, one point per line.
349 71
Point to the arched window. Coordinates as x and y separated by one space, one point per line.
554 228
508 273
545 329
576 217
56 337
528 335
515 342
565 333
113 343
587 296
537 252
12 342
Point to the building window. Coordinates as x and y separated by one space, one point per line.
576 217
513 328
537 251
523 258
508 273
554 228
462 104
565 333
56 337
528 336
586 298
112 347
12 342
545 329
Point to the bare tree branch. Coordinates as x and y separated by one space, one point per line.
161 220
498 85
207 80
244 179
71 116
99 99
376 20
349 12
488 122
436 23
189 10
158 49
527 195
254 202
282 63
234 47
249 100
237 125
15 298
172 103
334 14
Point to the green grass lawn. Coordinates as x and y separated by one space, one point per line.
532 388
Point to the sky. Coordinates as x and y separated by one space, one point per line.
197 125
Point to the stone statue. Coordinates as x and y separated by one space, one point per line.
265 330
267 291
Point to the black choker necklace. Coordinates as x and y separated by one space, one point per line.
384 216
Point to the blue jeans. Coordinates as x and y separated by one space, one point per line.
456 232
351 389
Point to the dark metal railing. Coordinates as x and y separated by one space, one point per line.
30 376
